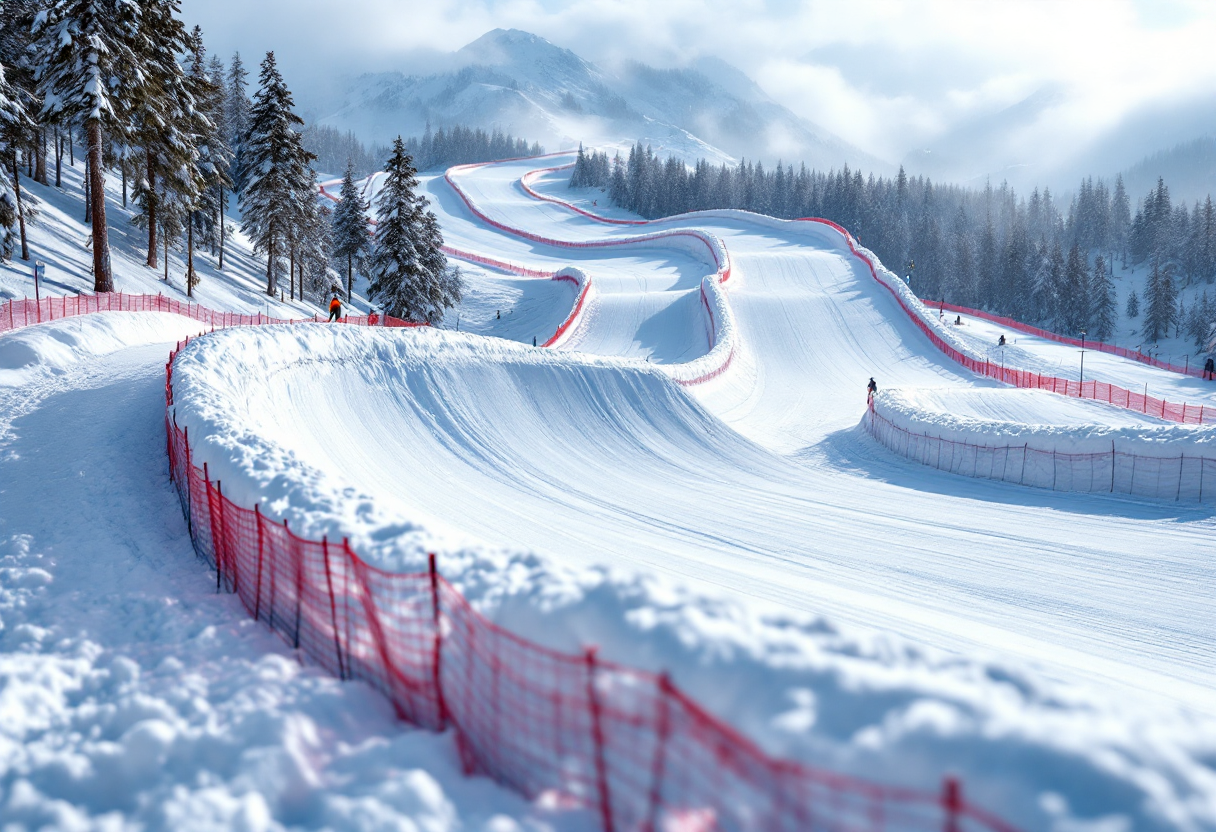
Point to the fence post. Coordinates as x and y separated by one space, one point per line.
437 647
1112 466
219 489
658 770
299 558
333 606
952 802
189 471
1181 465
257 597
215 548
597 737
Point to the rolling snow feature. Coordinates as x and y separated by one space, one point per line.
835 604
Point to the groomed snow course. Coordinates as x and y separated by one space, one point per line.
876 706
132 696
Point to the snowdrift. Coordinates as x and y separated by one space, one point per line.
367 434
1075 445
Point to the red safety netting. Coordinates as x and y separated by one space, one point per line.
1177 478
625 744
1123 352
15 314
1099 391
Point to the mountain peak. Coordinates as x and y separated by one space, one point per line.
511 46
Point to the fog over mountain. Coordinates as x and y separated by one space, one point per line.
1036 93
521 83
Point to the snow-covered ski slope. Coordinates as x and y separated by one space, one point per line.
791 510
1074 680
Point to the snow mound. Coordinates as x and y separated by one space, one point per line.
56 346
433 413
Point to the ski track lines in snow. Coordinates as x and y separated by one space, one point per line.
626 471
131 696
999 571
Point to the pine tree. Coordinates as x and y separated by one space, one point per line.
88 64
217 149
1074 298
410 275
1103 312
1133 305
277 174
1161 296
15 124
237 116
160 116
352 228
213 157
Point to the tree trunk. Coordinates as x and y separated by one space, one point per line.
166 258
223 206
189 255
150 202
103 278
350 271
72 145
25 249
88 194
123 167
40 160
270 281
58 158
291 270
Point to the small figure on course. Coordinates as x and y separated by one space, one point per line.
1001 342
958 320
335 308
871 390
1209 368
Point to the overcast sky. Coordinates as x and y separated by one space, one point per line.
886 75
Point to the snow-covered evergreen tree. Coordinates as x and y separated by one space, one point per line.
216 160
1161 298
162 115
1103 316
1133 305
237 107
410 275
87 65
15 125
352 228
276 169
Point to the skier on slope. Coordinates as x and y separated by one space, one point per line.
1209 368
1001 342
871 390
335 308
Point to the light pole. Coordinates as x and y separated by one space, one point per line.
1082 360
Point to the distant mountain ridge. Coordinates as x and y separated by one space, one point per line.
521 83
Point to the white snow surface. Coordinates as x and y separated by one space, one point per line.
131 695
835 603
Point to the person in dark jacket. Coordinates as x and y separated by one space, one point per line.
335 309
871 389
1209 368
1001 342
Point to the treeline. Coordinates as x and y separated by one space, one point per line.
465 146
1025 257
182 131
333 148
458 145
